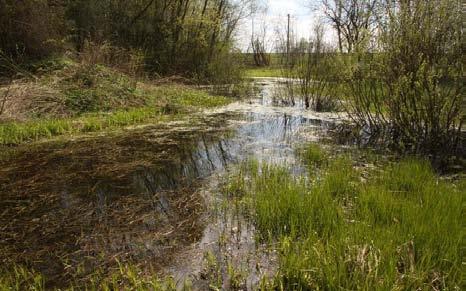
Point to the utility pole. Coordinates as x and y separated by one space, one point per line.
252 33
288 41
252 25
252 41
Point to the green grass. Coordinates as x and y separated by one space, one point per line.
183 96
100 89
126 277
401 229
70 97
19 278
263 72
314 156
13 133
164 100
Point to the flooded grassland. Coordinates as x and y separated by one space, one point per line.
171 200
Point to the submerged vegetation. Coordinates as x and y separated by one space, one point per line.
398 229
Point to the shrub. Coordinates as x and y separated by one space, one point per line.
412 91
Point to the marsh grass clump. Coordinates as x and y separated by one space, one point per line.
399 228
19 278
314 156
339 180
410 176
130 277
285 206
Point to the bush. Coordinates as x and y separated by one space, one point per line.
94 88
413 90
225 68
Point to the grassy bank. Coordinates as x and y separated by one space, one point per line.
399 228
172 102
13 133
76 98
263 72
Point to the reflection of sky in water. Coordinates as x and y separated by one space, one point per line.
237 132
265 132
260 131
98 179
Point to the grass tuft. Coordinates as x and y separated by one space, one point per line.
314 156
126 277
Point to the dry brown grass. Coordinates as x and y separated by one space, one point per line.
48 95
26 98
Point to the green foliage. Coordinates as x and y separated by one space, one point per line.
314 70
12 133
20 278
76 98
224 68
183 97
412 91
340 180
314 78
283 205
29 30
190 38
262 72
186 37
96 88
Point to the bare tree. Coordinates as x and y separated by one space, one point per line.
353 20
259 46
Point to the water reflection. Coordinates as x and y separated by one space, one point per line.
136 194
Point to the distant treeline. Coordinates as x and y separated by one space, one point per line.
188 37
